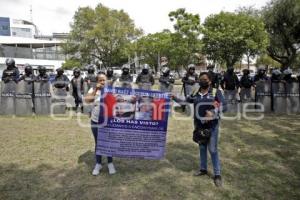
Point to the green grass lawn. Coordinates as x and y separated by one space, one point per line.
42 158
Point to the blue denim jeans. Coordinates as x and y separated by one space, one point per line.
94 127
213 150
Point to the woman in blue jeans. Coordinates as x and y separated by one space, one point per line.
93 96
207 105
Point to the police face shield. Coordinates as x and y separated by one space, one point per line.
76 74
28 71
191 70
145 71
109 72
60 72
91 70
42 71
125 71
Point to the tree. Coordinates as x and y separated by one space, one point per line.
153 45
265 59
71 63
256 37
101 34
185 40
228 36
282 19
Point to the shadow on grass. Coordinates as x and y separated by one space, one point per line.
268 158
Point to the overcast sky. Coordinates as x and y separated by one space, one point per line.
150 15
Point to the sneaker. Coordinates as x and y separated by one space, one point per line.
97 169
111 168
201 172
218 181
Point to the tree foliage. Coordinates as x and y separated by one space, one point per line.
229 36
185 40
71 63
152 46
100 34
265 59
282 19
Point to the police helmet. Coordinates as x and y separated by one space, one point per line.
60 70
110 71
91 69
10 62
287 71
191 67
76 71
28 69
42 69
276 72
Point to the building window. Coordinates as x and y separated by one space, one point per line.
4 28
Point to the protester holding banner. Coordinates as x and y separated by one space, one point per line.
208 103
93 95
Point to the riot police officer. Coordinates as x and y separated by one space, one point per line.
110 77
91 79
261 75
230 85
28 76
276 76
166 80
77 89
61 80
230 80
214 77
287 76
42 76
126 79
246 84
11 73
189 80
145 80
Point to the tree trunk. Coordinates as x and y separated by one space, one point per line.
248 61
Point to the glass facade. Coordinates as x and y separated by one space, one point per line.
4 26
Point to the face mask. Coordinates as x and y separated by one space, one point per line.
204 84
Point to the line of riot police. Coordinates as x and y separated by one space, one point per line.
42 95
25 94
279 93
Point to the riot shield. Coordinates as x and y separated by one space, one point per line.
87 107
7 106
24 92
0 94
292 95
232 103
279 98
59 100
42 98
263 96
145 86
246 98
166 87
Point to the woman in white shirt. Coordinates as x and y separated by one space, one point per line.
93 96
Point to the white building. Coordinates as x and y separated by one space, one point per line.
19 40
